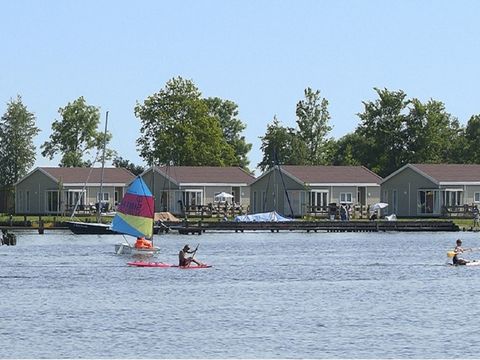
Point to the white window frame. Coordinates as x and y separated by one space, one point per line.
436 202
103 197
198 197
476 197
453 197
314 197
344 198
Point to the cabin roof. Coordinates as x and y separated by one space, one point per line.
332 174
206 174
83 175
451 172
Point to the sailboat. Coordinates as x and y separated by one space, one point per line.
134 217
78 227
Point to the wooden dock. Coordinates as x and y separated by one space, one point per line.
315 226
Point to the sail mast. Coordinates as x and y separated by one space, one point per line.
100 196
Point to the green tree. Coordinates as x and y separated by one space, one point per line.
471 140
17 152
119 162
383 123
76 135
312 121
226 112
351 149
433 134
281 145
177 128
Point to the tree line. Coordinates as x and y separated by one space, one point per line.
181 127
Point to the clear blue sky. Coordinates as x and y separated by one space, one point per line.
259 54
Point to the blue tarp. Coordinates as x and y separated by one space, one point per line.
269 216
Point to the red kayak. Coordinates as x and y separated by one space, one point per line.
164 265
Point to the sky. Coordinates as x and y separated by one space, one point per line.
259 54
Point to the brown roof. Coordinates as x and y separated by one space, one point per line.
207 174
451 172
332 174
93 175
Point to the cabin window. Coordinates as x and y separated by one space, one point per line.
103 197
52 201
193 197
453 197
428 202
318 199
75 198
346 197
476 197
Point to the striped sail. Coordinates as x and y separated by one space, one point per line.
135 213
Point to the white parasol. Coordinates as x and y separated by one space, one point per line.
377 206
222 196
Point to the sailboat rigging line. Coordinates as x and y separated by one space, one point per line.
264 200
149 208
275 157
84 186
286 192
100 196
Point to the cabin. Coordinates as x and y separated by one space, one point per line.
432 190
195 189
313 190
63 190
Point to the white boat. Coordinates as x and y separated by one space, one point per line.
128 249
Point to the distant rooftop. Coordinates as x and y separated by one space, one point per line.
207 174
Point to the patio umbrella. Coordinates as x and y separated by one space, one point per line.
378 206
222 196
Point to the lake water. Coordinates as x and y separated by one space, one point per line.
269 295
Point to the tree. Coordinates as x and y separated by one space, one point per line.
281 145
17 152
471 140
312 121
351 149
226 112
433 134
75 135
384 123
119 162
178 128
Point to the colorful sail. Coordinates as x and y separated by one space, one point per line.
135 213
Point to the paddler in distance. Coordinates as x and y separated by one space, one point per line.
184 260
458 250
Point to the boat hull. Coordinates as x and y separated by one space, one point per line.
127 249
82 228
165 265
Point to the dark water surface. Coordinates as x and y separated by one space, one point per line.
287 295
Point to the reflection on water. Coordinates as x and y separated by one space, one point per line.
288 295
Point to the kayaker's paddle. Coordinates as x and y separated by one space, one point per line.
195 251
452 253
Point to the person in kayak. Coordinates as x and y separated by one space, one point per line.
184 260
458 250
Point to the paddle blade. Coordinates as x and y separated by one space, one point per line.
451 254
